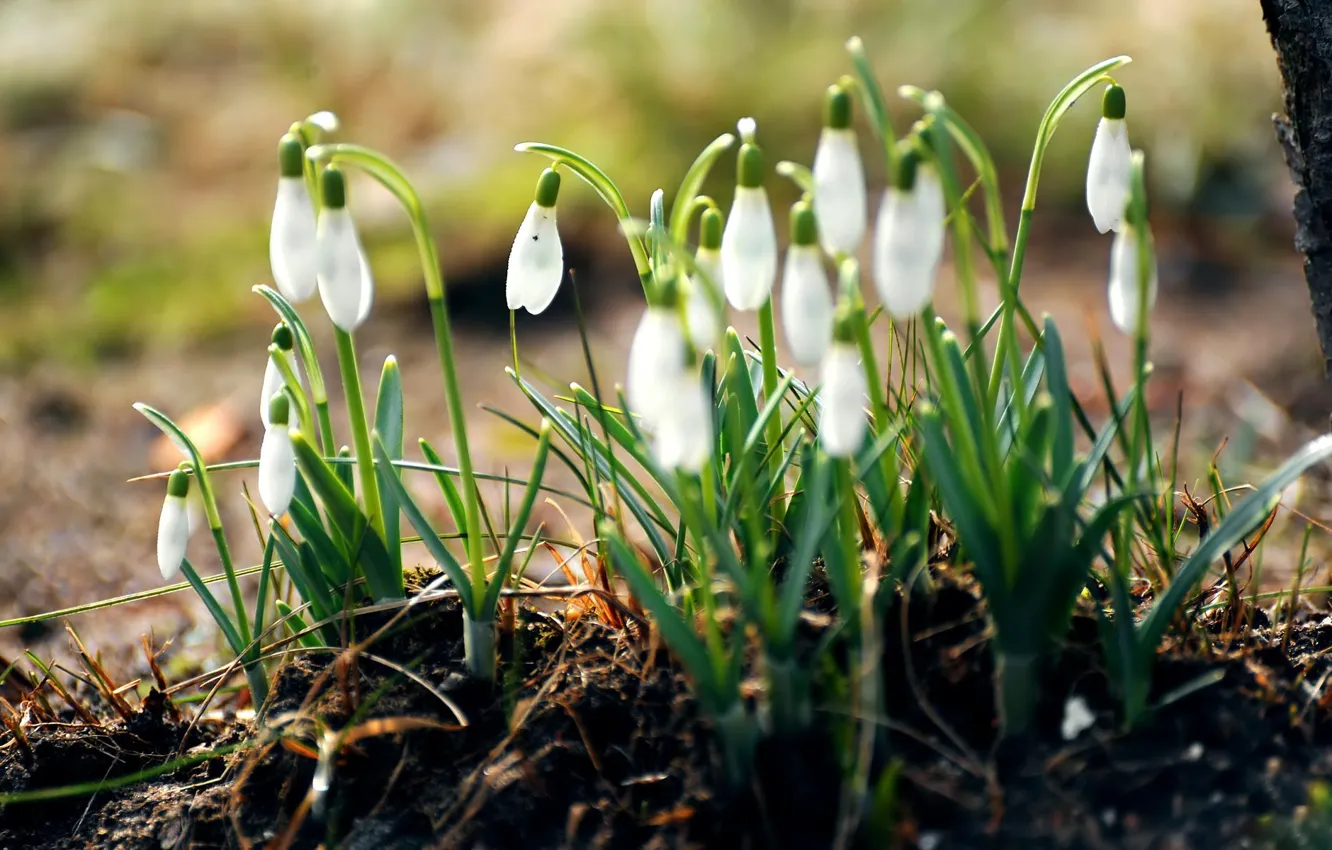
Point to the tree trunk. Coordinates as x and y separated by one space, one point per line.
1301 32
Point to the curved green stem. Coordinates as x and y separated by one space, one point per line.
388 174
606 188
685 202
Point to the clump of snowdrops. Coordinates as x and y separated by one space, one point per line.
722 479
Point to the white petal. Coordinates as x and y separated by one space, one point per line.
807 305
291 241
908 240
340 271
684 439
536 261
367 300
842 421
277 470
1078 718
749 250
273 383
705 322
1108 171
839 192
1124 280
656 360
173 534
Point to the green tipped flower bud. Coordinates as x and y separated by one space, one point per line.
548 188
837 108
334 187
282 336
844 321
291 157
178 485
668 293
1113 104
710 229
908 160
279 410
804 230
749 166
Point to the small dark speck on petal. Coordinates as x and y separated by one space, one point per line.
536 236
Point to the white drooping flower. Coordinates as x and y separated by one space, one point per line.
292 249
277 459
839 179
749 242
536 261
344 276
1125 279
173 528
842 421
908 239
656 361
684 430
1108 166
806 298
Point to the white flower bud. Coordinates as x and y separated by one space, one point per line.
749 249
684 433
277 469
842 421
1108 174
656 361
173 534
908 241
839 192
1124 289
705 323
807 305
291 241
343 272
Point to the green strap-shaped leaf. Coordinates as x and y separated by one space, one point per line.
519 521
447 562
389 425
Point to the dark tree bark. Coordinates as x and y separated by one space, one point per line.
1301 32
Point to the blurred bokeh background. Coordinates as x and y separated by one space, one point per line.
137 169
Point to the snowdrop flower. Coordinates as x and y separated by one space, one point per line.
273 380
839 178
1108 167
684 433
749 243
345 284
701 315
1125 289
842 421
807 304
536 261
656 362
1078 718
908 238
277 459
291 241
173 529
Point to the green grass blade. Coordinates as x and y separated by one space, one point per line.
447 562
389 425
1244 518
519 521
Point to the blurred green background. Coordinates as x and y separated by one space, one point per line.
138 136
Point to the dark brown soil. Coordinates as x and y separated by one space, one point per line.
593 740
